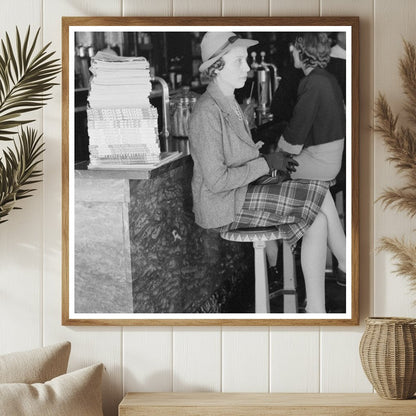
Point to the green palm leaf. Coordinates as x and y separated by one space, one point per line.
19 168
25 79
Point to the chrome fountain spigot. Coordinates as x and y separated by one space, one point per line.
165 105
254 63
276 78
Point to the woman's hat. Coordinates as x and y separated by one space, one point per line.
216 44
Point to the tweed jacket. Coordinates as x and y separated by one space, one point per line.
225 159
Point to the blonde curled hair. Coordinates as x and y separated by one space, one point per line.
212 71
314 49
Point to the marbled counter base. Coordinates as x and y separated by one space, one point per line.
137 248
102 246
102 261
176 265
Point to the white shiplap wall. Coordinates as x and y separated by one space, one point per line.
259 359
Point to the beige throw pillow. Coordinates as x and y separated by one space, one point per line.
35 366
73 394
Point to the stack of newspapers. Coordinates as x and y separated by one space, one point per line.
122 124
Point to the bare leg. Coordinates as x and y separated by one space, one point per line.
272 252
313 259
336 235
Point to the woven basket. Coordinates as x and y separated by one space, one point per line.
388 356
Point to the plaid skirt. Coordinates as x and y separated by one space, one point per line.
291 206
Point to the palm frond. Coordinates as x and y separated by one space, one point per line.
19 168
25 79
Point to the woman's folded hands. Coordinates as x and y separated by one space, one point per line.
281 161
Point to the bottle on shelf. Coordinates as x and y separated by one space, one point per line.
175 72
181 105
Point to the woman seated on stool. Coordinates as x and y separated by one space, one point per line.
233 185
315 134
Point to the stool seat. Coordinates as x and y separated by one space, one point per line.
258 237
248 235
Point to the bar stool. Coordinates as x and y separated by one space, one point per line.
259 236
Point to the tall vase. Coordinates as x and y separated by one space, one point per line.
388 356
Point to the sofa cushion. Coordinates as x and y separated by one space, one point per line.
35 366
73 394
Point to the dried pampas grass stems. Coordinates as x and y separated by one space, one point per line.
401 144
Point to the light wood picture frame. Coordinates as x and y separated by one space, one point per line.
132 253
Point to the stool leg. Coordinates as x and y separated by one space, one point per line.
261 282
290 301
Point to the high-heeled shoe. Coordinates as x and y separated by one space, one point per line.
341 277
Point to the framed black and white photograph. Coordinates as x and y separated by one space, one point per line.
210 171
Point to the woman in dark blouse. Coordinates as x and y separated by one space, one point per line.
315 134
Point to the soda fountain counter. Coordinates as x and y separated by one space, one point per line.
138 249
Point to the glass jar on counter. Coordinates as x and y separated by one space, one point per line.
181 106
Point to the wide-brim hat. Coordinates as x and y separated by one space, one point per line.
216 44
